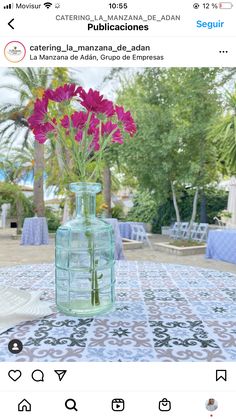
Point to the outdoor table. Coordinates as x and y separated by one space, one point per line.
221 244
125 228
163 312
35 231
119 254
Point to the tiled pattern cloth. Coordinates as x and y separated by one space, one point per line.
163 313
221 244
35 231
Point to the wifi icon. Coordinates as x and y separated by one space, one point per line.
47 4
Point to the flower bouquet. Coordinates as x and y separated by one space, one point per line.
81 126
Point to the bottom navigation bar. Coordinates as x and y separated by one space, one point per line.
129 405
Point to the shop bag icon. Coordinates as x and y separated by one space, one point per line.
164 405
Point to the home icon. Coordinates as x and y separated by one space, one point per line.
24 406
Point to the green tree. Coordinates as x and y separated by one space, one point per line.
172 108
10 193
223 132
144 208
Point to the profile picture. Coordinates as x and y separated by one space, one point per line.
211 405
14 51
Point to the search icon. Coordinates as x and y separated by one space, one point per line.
71 404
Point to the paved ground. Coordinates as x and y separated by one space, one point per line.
11 253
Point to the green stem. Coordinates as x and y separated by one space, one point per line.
99 154
62 144
95 299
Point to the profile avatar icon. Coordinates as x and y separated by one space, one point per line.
14 51
211 405
15 346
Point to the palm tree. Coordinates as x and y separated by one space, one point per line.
10 171
29 83
18 165
224 132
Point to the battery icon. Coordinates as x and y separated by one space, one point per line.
226 5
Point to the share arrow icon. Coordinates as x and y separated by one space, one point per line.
60 373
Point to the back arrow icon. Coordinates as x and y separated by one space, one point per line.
9 24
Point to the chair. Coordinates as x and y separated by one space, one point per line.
201 233
175 230
179 230
219 222
184 230
193 232
138 233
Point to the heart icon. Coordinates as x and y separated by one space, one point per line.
14 374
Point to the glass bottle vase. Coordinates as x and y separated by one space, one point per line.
85 280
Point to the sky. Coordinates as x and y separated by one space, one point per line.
88 77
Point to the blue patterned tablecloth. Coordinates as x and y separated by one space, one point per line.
221 244
35 231
163 312
125 228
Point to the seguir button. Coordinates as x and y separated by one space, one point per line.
210 25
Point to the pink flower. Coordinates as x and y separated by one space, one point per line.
65 121
127 120
79 119
40 110
79 136
41 131
76 124
94 102
62 93
107 108
40 136
94 145
94 121
49 127
108 127
96 135
117 137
